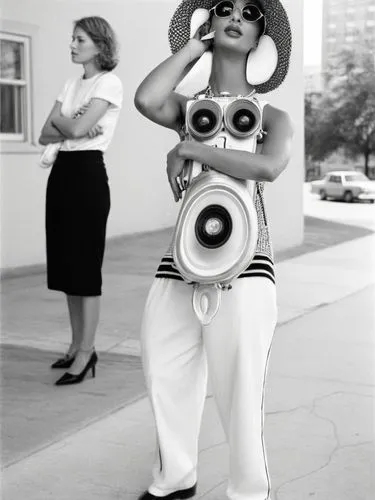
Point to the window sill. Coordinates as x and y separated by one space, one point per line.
19 148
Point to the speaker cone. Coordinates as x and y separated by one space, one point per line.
204 119
213 226
242 118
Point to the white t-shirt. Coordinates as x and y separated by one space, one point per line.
79 91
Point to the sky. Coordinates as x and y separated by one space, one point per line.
312 31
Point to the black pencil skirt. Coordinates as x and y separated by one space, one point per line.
77 208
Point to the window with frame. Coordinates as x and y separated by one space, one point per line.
336 179
15 119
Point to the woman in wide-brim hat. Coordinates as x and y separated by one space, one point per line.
246 49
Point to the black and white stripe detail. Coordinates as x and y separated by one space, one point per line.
261 266
168 269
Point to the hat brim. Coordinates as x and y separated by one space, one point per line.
277 27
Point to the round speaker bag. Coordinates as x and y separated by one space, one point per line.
216 231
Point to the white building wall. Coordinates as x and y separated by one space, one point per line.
136 160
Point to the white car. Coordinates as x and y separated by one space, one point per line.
345 185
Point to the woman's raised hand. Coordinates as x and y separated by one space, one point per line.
196 45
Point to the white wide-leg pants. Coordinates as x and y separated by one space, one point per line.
176 350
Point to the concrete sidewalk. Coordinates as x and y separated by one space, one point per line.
319 425
319 413
35 330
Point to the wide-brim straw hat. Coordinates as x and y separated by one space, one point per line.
277 27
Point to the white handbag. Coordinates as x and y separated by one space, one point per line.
49 154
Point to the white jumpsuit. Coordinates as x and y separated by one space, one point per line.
177 350
235 347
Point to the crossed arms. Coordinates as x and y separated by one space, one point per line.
84 123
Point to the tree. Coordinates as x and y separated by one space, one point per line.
344 116
321 137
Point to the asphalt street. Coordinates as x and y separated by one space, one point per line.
360 214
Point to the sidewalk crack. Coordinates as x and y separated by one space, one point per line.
212 489
337 447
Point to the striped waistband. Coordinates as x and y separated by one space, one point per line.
261 266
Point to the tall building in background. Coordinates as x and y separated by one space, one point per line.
346 22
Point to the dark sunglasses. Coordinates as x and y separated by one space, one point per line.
250 12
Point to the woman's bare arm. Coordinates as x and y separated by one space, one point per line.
74 128
50 133
155 97
264 166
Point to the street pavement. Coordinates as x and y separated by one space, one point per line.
96 439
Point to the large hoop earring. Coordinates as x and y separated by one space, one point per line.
199 75
262 61
199 17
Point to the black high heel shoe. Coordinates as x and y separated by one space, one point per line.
65 362
69 378
179 494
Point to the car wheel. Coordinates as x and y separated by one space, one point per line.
323 194
348 196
